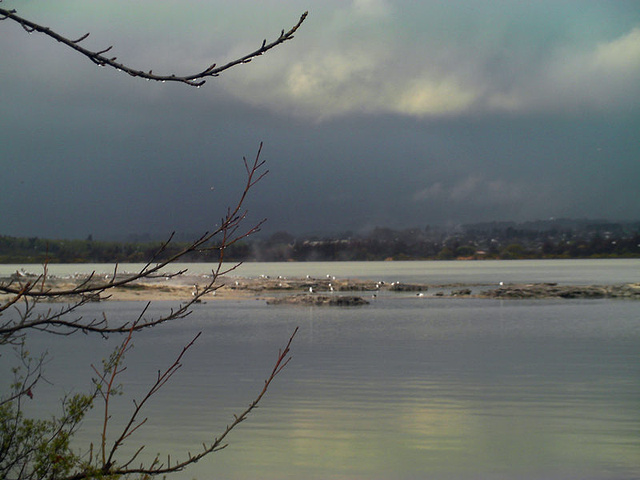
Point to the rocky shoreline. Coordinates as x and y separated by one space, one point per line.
553 290
514 291
319 300
535 291
330 291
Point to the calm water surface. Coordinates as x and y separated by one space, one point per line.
405 388
578 272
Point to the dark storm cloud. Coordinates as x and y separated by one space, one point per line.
378 113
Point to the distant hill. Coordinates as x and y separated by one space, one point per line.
555 238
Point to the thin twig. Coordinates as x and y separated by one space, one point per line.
97 57
90 289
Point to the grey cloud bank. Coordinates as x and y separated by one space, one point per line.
377 113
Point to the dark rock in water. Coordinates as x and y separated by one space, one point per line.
347 301
319 300
552 290
461 292
630 290
357 286
407 287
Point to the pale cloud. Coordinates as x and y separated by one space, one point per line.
378 56
321 86
504 101
607 74
473 188
425 87
620 55
332 74
355 62
604 76
345 81
332 77
371 8
499 192
342 83
466 189
431 97
432 192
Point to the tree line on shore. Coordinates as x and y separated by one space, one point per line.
496 240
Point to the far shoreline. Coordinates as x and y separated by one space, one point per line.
182 288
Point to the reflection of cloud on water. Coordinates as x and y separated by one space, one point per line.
330 438
436 426
373 436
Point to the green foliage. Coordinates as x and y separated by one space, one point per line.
35 449
465 251
622 241
445 254
491 241
513 251
32 448
36 250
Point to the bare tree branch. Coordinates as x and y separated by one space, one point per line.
31 449
98 57
157 467
32 292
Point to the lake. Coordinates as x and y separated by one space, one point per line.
578 272
404 388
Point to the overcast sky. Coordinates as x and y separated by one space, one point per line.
379 113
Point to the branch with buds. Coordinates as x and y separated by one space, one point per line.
106 460
61 321
99 58
33 449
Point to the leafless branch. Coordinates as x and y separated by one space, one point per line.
133 424
156 468
98 57
22 295
31 292
25 377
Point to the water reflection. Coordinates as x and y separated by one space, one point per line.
398 390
